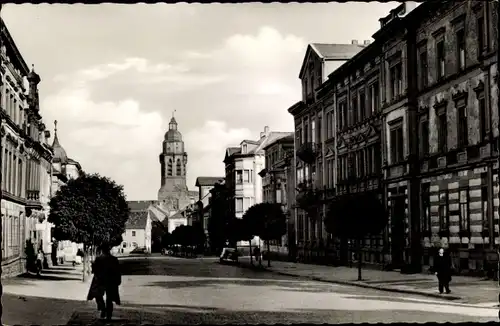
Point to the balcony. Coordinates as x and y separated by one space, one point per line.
308 152
33 199
308 199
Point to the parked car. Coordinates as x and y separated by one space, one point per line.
229 255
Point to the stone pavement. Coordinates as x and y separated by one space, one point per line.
464 289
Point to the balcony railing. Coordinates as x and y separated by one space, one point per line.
308 152
33 195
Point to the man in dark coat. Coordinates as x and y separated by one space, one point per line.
442 269
107 279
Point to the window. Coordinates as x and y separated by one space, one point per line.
426 208
396 80
239 176
424 137
239 205
443 211
362 107
329 129
278 196
246 203
480 36
298 137
178 171
246 176
313 131
484 206
397 146
354 110
483 125
169 169
374 91
342 115
442 132
463 134
362 163
423 70
440 59
245 149
320 129
464 216
461 49
133 233
306 133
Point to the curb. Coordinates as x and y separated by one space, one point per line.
367 286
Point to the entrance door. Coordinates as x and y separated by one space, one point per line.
398 230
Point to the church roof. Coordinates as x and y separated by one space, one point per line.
137 220
173 134
207 181
60 155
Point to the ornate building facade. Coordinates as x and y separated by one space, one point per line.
24 155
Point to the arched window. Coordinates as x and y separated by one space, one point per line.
170 167
179 168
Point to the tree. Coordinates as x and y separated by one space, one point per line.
219 217
268 221
355 216
90 209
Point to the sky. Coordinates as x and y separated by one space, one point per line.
112 76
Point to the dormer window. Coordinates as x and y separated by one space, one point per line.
244 149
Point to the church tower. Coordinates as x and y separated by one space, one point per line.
173 193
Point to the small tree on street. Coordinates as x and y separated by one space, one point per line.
356 216
90 209
268 221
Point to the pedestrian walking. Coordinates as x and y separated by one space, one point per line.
39 261
107 279
443 270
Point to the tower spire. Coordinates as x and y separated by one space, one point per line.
56 140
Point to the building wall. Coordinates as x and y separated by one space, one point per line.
174 223
135 238
247 193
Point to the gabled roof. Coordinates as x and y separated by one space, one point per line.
207 181
231 151
253 142
137 220
329 51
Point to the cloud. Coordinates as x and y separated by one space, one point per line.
206 146
224 96
115 139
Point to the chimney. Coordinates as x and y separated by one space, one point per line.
265 132
354 42
367 42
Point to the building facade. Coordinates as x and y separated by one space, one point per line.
275 184
24 155
415 121
314 166
202 210
137 233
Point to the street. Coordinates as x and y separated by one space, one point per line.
185 291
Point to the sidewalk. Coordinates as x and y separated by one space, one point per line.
464 289
49 299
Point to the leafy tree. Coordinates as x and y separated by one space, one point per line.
90 209
356 216
268 221
199 237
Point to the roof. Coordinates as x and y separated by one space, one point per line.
60 155
137 220
173 134
282 139
253 142
207 181
139 205
330 51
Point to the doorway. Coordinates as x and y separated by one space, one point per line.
397 230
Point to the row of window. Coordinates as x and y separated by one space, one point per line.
273 196
178 168
11 236
243 203
244 176
464 211
364 162
364 104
